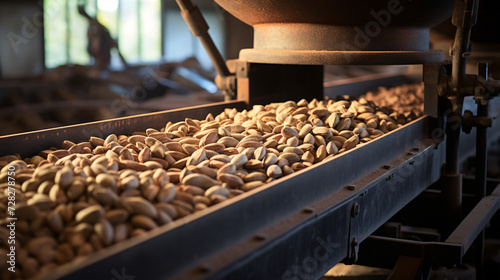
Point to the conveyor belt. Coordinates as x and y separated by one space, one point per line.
302 224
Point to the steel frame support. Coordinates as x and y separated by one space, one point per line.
476 221
481 167
384 251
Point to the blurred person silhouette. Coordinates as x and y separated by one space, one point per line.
100 42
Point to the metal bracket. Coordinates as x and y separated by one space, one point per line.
478 218
433 87
469 121
482 94
227 84
447 253
242 68
389 249
353 247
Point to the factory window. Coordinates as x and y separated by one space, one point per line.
180 44
137 24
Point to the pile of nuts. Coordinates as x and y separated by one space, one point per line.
83 197
407 100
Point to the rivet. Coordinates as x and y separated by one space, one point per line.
351 187
355 209
204 269
308 210
260 237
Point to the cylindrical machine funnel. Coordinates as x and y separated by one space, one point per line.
340 32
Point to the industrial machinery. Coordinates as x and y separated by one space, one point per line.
299 226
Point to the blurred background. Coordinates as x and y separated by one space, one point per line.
70 61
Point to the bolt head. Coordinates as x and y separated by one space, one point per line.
355 209
260 237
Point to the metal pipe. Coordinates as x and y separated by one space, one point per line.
199 27
452 178
481 153
464 17
461 51
481 139
481 164
453 128
481 159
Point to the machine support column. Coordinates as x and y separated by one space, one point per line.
452 178
481 164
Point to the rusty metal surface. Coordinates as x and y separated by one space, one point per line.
340 57
320 37
328 25
336 12
31 143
